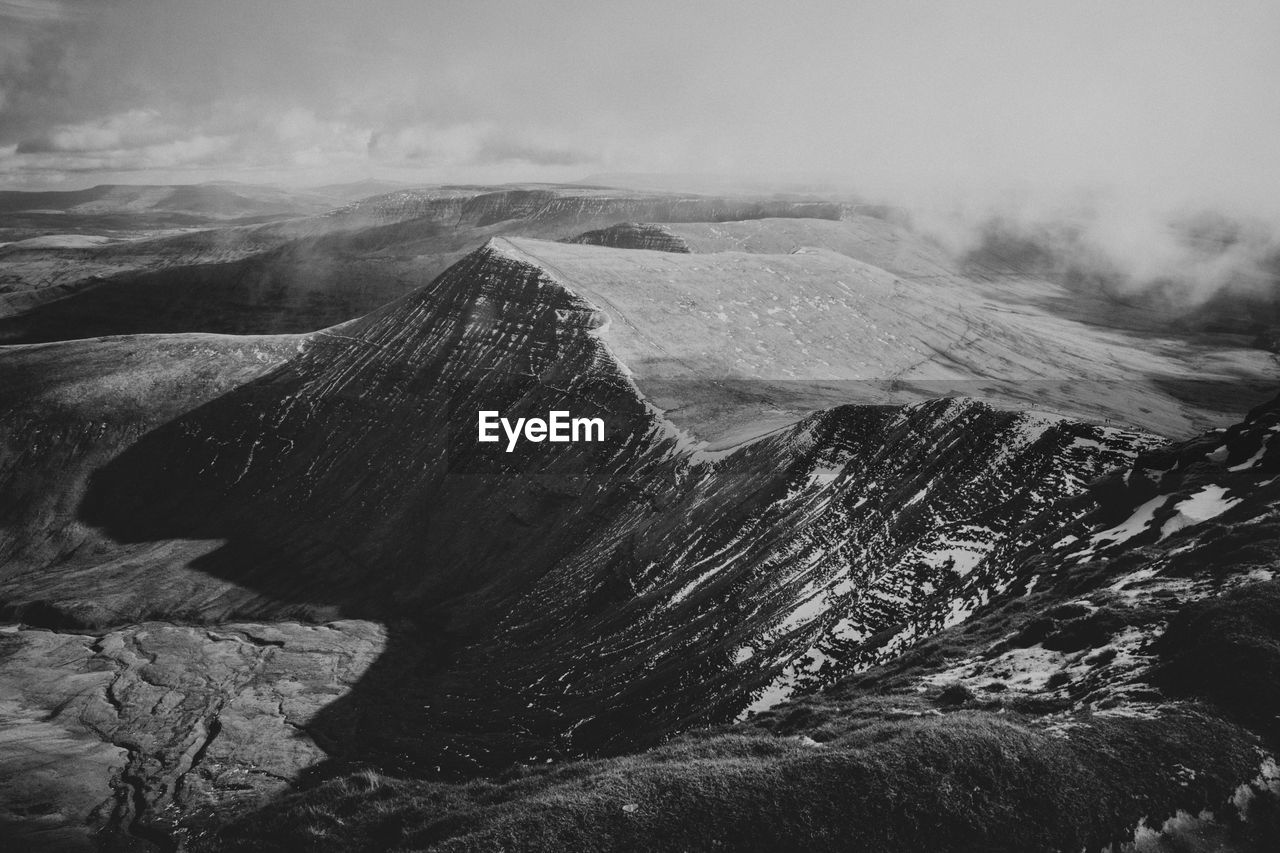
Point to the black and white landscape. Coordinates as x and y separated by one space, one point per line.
938 500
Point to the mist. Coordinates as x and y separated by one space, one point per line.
1191 262
1103 128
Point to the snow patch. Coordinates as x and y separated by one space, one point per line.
824 475
1210 502
1252 460
1132 526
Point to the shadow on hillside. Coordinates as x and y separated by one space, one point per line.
361 508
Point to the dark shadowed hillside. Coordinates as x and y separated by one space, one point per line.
1114 691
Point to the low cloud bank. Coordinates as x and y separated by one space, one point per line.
1193 262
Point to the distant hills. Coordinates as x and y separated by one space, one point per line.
214 201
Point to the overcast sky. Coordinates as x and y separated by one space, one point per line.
1168 98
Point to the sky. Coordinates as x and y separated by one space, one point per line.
1164 102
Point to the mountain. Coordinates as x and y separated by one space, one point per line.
1115 691
300 532
1077 354
845 488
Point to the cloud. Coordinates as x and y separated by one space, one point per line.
38 84
128 130
1165 104
470 144
133 140
39 11
1176 259
175 154
507 148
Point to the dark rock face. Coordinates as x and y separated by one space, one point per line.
633 235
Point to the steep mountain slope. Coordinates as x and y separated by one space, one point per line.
1117 691
557 600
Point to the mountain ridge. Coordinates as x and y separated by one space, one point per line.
1091 710
549 603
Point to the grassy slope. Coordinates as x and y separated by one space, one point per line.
969 780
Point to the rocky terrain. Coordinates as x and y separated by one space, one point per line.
1115 692
852 530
